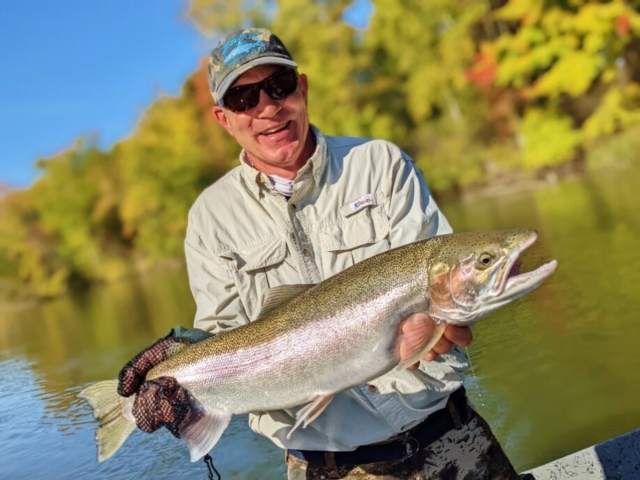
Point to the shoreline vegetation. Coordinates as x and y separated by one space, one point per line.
500 187
488 97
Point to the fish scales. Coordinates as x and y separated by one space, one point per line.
351 342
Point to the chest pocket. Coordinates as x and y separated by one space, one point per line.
255 269
353 238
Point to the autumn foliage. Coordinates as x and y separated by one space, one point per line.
474 90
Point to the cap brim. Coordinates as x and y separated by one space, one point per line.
233 76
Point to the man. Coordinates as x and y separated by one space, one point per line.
300 208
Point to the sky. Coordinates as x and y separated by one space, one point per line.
78 68
74 68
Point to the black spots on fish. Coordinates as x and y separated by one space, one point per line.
452 243
161 402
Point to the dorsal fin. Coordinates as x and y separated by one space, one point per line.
276 296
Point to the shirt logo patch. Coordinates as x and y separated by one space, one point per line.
362 202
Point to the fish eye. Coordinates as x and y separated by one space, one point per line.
485 260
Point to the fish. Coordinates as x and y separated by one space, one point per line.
344 331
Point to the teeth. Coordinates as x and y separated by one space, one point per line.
277 129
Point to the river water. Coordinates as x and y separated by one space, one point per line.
554 372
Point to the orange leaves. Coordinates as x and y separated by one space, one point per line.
622 24
483 71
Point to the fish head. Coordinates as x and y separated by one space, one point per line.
475 273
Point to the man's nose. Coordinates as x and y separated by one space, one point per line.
267 106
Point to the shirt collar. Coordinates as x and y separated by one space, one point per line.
317 163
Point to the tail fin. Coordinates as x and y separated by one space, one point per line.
109 410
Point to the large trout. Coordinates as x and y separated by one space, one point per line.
342 332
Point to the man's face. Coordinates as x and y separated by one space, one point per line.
274 133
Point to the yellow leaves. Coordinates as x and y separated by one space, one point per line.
618 110
28 250
519 57
549 138
526 11
572 74
451 81
563 51
557 21
634 22
598 18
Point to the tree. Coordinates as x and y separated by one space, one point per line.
573 67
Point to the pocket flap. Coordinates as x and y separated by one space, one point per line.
369 225
257 256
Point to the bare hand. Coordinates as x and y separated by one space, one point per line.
453 335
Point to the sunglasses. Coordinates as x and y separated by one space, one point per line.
278 86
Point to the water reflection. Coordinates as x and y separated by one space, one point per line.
553 373
50 352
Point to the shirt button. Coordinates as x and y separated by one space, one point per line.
372 388
292 206
305 252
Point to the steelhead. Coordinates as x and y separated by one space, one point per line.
342 332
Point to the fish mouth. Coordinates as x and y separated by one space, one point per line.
516 284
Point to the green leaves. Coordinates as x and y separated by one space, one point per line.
473 92
548 139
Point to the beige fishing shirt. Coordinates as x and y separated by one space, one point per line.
353 199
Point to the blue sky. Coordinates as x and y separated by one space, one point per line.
74 68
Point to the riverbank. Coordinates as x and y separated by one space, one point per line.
618 153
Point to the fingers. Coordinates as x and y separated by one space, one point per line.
461 336
133 374
453 335
161 402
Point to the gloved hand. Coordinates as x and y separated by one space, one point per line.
133 374
161 402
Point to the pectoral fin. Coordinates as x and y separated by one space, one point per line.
202 429
418 334
310 412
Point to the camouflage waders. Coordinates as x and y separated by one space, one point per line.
468 451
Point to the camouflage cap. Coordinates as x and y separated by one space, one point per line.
241 51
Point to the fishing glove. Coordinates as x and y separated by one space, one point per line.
133 374
160 402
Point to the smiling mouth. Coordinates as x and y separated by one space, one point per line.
277 129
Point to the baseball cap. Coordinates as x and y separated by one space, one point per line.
241 51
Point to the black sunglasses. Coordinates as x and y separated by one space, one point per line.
278 86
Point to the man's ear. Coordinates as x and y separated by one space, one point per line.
222 119
303 82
